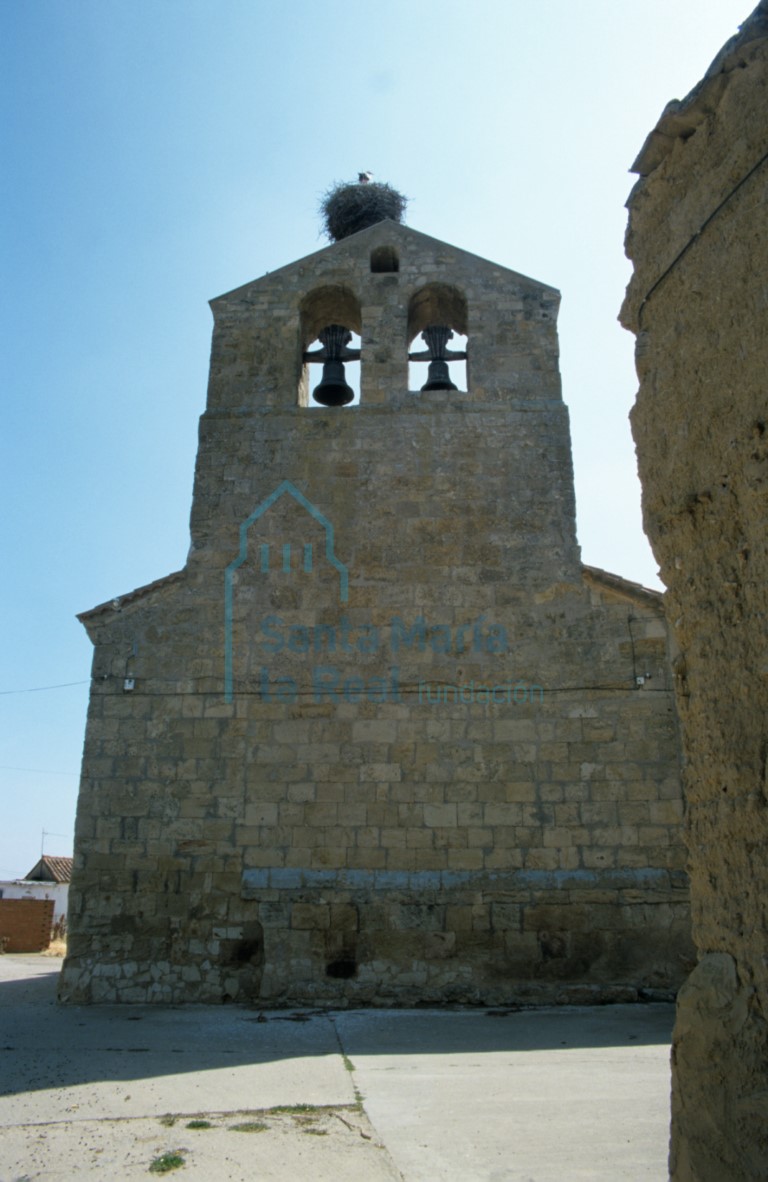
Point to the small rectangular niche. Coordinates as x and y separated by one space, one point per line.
384 259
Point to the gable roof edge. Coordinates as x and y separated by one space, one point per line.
121 601
397 228
603 579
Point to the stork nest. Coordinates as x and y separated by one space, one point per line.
347 208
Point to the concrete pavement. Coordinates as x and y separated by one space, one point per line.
552 1095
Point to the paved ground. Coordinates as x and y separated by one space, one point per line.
552 1095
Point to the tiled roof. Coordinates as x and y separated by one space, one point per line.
51 869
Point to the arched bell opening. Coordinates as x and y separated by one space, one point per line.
335 379
437 318
331 324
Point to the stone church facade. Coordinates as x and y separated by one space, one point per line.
384 739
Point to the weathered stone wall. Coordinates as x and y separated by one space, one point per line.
697 302
384 740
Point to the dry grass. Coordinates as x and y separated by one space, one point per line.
55 948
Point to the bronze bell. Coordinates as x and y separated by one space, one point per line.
437 337
332 389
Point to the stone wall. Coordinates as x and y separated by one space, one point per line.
384 740
697 302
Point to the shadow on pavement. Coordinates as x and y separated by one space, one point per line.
44 1045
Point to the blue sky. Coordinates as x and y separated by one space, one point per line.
160 152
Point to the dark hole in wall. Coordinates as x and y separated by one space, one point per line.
344 968
383 259
247 951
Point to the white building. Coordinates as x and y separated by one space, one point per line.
48 879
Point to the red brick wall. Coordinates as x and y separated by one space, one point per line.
26 924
